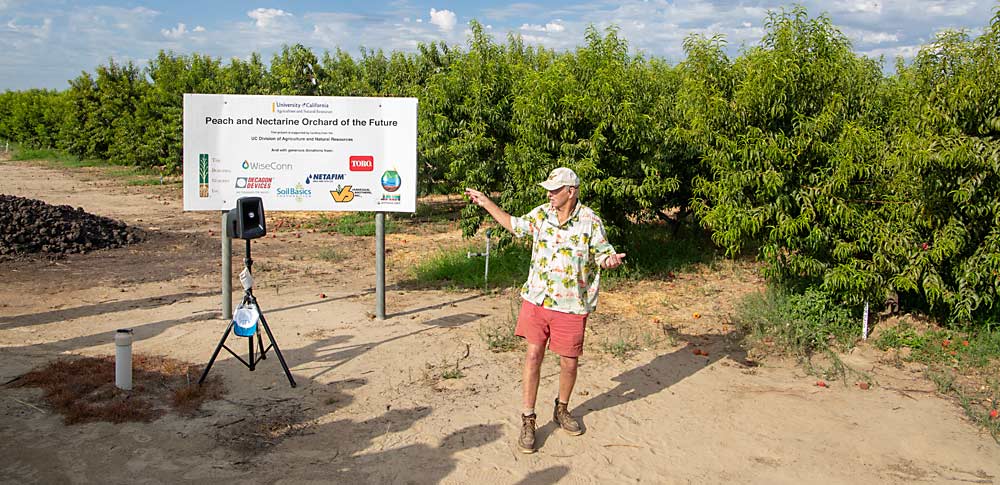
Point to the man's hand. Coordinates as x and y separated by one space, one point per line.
495 211
477 197
613 261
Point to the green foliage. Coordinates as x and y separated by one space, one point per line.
508 268
805 323
355 224
655 251
621 347
795 156
840 179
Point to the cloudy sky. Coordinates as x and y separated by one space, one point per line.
44 43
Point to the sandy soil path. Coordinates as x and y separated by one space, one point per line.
372 406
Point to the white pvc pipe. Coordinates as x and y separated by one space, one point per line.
123 359
864 323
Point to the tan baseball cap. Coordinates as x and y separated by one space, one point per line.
560 177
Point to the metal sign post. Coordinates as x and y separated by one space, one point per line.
380 265
227 270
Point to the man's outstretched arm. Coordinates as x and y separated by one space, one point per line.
500 215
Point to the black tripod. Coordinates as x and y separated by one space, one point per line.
251 362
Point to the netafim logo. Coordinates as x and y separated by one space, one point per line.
362 163
320 178
266 166
391 181
202 175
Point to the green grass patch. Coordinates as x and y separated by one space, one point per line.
621 347
55 157
499 333
455 373
807 325
330 255
352 224
803 324
453 268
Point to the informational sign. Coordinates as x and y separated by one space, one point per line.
300 152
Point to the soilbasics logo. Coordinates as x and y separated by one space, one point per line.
362 163
299 192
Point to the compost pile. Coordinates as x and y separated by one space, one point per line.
30 226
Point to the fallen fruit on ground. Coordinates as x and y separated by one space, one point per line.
864 386
821 384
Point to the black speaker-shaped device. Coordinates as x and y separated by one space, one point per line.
246 220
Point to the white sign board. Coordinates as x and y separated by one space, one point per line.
300 152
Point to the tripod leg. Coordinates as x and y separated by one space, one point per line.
277 351
253 362
216 353
260 342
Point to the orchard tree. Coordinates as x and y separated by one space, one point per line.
795 146
949 147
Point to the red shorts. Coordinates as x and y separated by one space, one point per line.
563 331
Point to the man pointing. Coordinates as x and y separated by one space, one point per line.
568 249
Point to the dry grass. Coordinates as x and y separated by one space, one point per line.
83 389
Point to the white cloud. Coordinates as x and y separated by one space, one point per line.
176 32
858 6
949 8
39 32
554 26
879 37
198 28
265 17
865 36
891 53
444 19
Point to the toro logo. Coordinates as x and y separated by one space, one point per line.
362 163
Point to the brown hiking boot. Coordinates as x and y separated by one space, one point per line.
526 442
568 423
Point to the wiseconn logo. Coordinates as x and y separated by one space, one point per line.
342 194
362 163
268 166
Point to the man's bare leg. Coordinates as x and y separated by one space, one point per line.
532 370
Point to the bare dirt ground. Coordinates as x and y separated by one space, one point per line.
372 404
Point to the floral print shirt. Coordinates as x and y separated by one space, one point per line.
565 259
